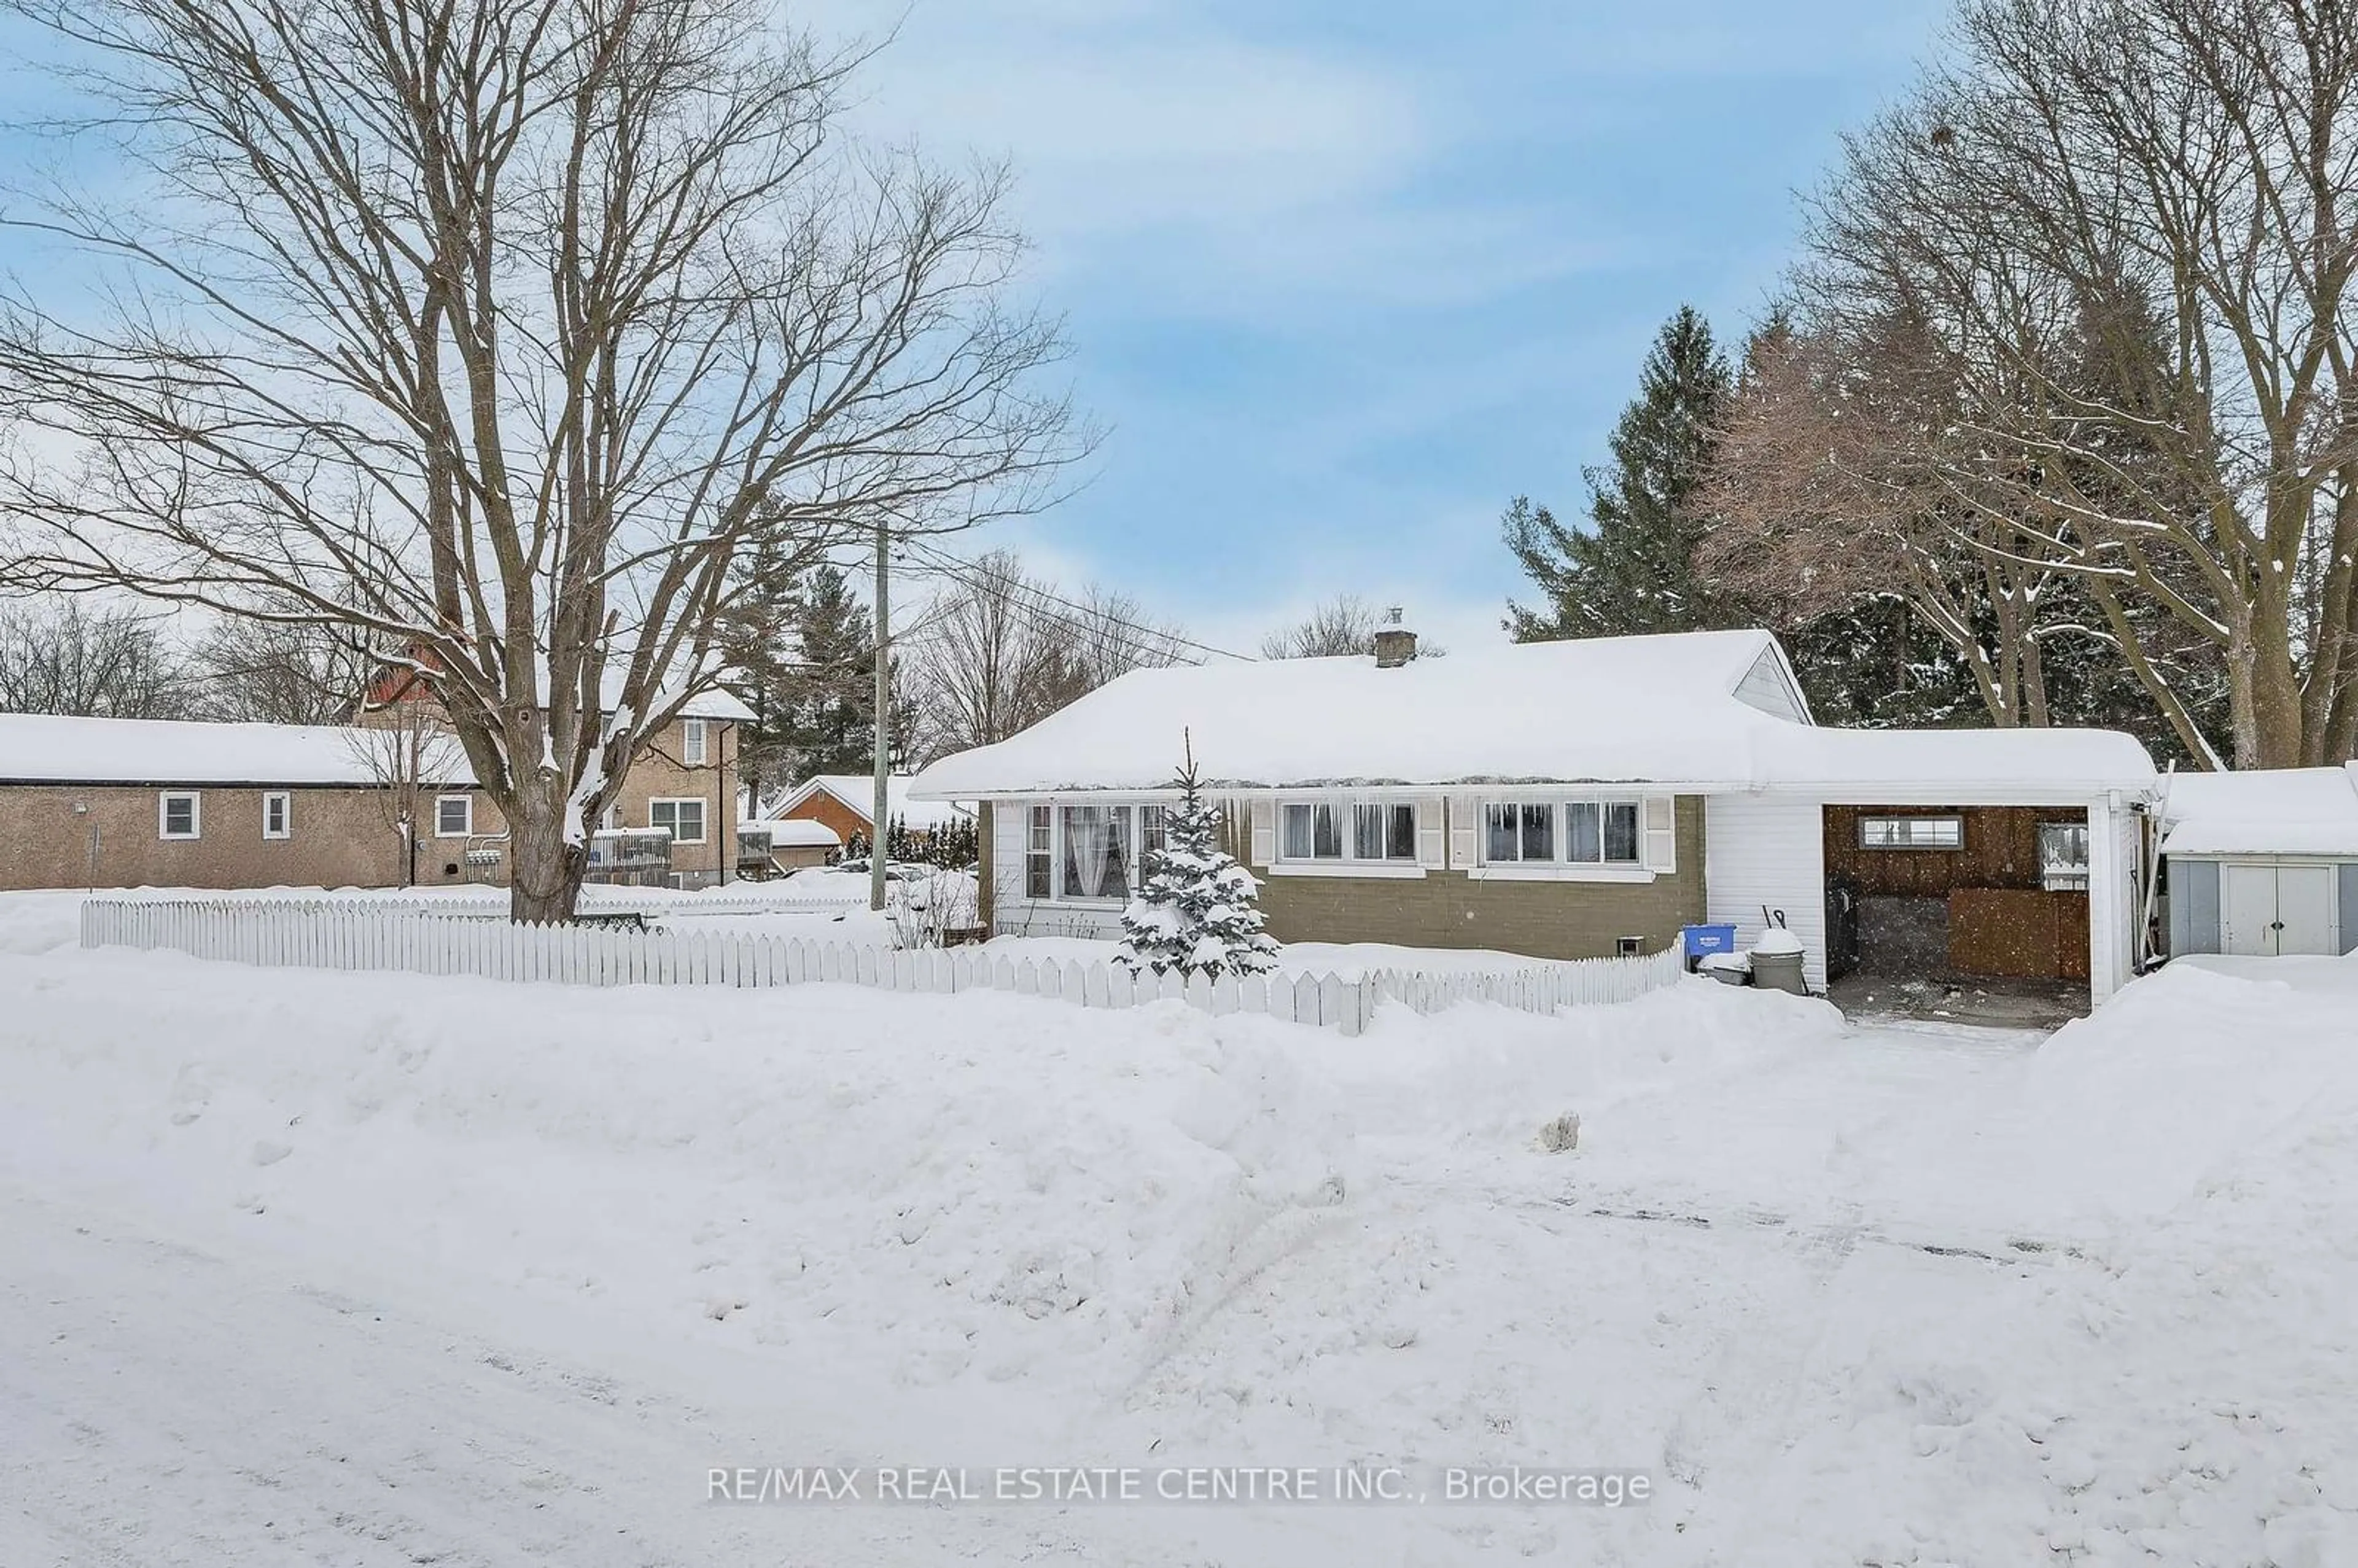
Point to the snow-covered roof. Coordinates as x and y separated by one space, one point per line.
796 833
2278 811
39 747
1660 709
712 704
857 792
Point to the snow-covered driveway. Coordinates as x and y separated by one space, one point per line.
382 1269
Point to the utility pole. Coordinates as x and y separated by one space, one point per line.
880 820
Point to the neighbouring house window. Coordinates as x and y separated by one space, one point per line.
454 815
1097 862
693 741
1039 853
1912 832
685 818
1153 831
2063 857
177 815
1577 833
278 815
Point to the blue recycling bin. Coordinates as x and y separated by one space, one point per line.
1700 942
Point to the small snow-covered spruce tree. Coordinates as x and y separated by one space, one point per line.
1197 911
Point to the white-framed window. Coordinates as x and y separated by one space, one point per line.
454 815
1040 852
684 817
1347 831
277 814
695 741
1562 833
1946 832
1096 859
2063 857
177 814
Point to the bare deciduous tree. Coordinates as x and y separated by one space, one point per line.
2124 230
1343 626
71 657
521 320
279 672
999 649
410 753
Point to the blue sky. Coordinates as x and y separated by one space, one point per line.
1343 276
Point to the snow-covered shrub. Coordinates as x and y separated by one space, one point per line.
1197 911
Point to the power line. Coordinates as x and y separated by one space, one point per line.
1080 617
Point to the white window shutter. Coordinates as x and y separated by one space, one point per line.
1431 836
1661 833
1264 832
1464 843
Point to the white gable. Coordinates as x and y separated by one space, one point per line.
1768 685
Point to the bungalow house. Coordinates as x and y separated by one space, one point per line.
173 803
1574 799
846 803
2262 864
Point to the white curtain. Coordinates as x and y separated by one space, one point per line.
1092 856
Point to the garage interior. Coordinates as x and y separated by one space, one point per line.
1953 903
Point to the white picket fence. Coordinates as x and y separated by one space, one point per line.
323 935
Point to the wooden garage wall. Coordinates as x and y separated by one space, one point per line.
2001 850
2001 920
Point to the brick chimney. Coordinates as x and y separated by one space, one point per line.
1395 643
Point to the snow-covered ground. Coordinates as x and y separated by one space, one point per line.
379 1268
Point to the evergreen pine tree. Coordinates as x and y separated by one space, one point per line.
1198 911
831 721
760 653
1631 570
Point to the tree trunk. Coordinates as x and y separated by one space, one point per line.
545 868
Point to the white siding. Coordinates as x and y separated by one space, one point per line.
2116 870
1007 820
1013 914
1767 850
1764 686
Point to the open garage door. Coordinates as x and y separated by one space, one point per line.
1927 893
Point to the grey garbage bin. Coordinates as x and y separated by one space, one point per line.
1777 962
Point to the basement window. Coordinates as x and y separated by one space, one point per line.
1912 832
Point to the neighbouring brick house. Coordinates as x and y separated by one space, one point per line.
168 803
682 780
1577 799
845 803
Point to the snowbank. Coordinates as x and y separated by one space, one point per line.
1919 1296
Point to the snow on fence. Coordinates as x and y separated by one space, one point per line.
321 935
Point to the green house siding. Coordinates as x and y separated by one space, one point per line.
1450 908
